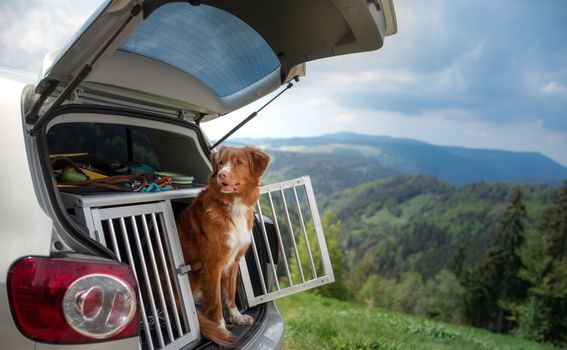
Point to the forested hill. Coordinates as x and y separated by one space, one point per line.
329 172
486 253
455 165
417 222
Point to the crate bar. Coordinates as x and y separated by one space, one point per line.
308 246
98 232
149 339
258 265
290 290
296 251
325 258
183 342
157 279
147 280
167 279
113 238
245 277
268 248
181 280
283 185
278 233
122 198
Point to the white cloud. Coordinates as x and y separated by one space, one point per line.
451 127
554 88
437 56
344 118
29 29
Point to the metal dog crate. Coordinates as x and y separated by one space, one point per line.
140 229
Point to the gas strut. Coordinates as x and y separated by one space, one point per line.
251 116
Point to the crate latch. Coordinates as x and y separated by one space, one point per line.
183 269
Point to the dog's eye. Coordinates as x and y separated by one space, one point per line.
238 162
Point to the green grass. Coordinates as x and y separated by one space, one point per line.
313 322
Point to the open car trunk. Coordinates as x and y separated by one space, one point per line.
288 253
202 59
116 118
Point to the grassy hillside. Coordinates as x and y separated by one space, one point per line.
314 322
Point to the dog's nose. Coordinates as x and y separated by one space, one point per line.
223 175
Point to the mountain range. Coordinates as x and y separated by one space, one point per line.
373 157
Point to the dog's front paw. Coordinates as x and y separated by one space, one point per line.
238 319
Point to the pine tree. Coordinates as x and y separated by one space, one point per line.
509 240
554 225
493 284
533 314
457 261
545 261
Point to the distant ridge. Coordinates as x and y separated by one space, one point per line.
457 165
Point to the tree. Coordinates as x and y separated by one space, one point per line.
544 259
493 285
443 298
370 293
533 315
360 274
457 261
534 319
554 224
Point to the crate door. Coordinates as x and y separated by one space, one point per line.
297 258
145 237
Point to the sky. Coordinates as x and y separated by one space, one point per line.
471 73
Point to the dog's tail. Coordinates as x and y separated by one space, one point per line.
216 333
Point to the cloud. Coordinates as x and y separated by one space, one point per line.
554 88
445 126
29 29
469 73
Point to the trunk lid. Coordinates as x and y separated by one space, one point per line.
204 58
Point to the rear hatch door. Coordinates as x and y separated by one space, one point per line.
206 58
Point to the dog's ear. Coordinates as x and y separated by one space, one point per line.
258 160
215 156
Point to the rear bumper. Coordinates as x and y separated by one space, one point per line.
271 333
267 332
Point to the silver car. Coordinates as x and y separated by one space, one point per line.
101 153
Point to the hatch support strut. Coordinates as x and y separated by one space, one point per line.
251 116
60 99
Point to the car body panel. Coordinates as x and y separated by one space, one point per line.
271 335
25 228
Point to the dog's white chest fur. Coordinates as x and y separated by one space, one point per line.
239 236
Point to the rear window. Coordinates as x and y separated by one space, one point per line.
222 51
106 141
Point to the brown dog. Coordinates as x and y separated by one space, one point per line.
215 233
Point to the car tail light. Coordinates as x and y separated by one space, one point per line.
65 301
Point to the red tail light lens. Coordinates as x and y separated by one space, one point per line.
73 301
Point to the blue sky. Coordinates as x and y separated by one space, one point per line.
479 74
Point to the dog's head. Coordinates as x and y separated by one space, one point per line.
238 169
